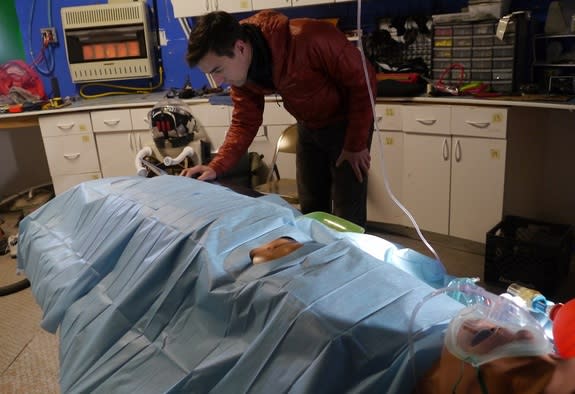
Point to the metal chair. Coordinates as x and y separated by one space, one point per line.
285 188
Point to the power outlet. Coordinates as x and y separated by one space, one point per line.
49 35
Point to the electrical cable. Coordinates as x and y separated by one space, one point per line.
50 62
376 130
14 287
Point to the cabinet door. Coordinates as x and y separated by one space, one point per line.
185 8
117 153
296 3
62 183
477 181
426 179
265 4
232 5
386 162
211 115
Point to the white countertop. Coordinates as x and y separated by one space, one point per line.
147 100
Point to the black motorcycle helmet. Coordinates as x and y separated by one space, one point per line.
172 125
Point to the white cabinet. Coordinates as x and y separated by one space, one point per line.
117 151
386 165
265 4
477 170
426 180
212 122
232 5
477 180
186 8
297 3
119 140
454 185
70 149
454 175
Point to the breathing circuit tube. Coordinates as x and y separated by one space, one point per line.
378 137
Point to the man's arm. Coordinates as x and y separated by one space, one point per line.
246 119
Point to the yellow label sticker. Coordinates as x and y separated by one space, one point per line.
85 138
444 43
389 112
497 117
388 140
82 127
495 154
244 4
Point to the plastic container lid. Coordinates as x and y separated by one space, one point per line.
335 222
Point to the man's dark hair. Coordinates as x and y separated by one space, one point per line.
217 32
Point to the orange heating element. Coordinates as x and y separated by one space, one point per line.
111 50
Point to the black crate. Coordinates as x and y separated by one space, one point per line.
531 252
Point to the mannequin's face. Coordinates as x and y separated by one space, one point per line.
273 250
481 336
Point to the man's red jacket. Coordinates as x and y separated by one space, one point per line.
318 73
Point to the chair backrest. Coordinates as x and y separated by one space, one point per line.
287 143
288 140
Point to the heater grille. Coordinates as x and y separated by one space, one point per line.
109 14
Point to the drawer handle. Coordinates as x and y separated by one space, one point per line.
71 156
66 126
479 125
111 122
427 122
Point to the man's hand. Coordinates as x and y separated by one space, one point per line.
359 162
205 173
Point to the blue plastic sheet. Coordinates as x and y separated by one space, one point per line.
151 288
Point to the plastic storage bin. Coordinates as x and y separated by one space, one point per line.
534 253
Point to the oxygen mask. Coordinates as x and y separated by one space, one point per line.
489 326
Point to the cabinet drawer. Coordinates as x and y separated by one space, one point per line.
211 115
388 117
479 121
432 119
59 125
140 118
114 120
65 182
276 114
71 154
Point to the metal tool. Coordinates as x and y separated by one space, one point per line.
152 167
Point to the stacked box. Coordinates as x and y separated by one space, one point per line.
474 45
